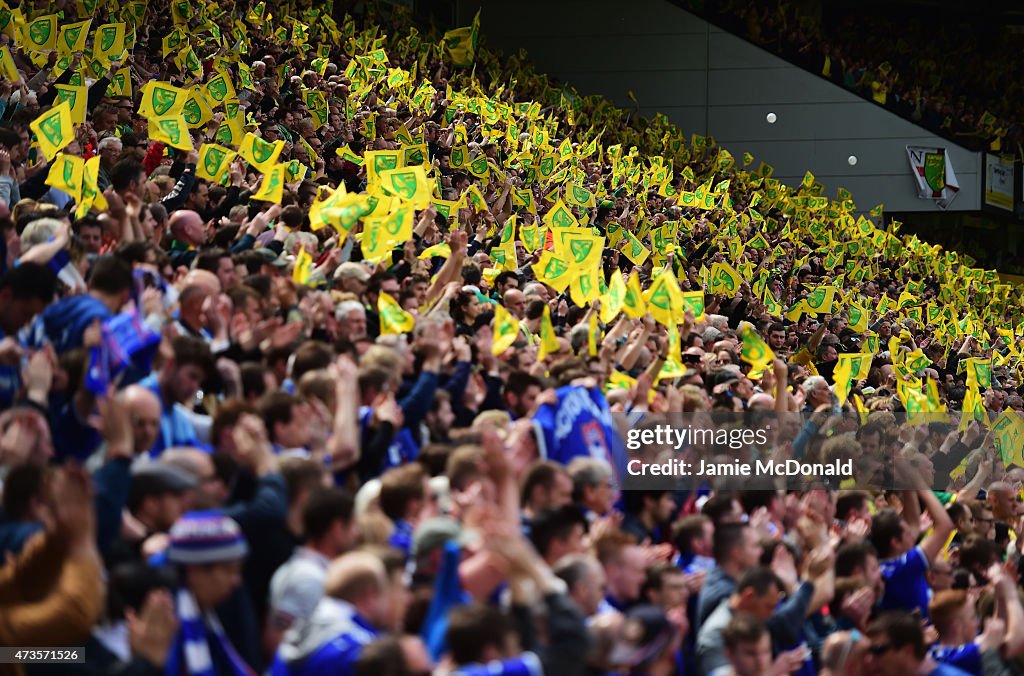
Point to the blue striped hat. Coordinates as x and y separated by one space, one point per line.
199 538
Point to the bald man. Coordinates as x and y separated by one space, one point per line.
144 409
355 607
189 231
1003 502
204 278
515 303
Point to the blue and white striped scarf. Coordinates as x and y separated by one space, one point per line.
194 634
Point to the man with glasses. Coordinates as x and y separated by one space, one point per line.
896 648
110 149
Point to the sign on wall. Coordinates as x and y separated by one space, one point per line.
933 174
999 182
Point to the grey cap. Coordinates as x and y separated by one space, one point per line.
711 334
158 478
433 533
271 258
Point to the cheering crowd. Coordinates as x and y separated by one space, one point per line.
313 330
955 74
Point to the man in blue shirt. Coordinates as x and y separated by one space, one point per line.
896 647
903 564
954 616
185 367
354 608
24 293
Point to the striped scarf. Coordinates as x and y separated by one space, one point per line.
195 632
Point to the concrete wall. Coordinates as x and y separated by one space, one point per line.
711 82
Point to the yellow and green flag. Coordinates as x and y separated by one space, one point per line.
393 319
303 267
172 131
160 99
76 98
214 162
40 35
272 187
634 304
548 340
66 175
72 37
260 154
54 129
506 330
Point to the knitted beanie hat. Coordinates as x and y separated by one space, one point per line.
199 538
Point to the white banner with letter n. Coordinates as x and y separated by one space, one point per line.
933 174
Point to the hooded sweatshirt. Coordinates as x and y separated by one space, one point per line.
328 643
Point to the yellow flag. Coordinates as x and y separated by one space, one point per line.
229 133
121 84
72 37
382 234
76 98
531 237
220 89
409 184
820 300
442 250
614 299
348 155
694 302
378 161
585 286
108 40
725 279
181 11
172 131
188 62
858 318
634 249
172 41
755 351
7 68
1008 435
548 340
260 154
559 216
214 162
506 329
579 246
850 367
553 271
504 255
393 319
66 174
40 35
303 267
634 304
272 187
54 129
91 196
159 99
664 299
